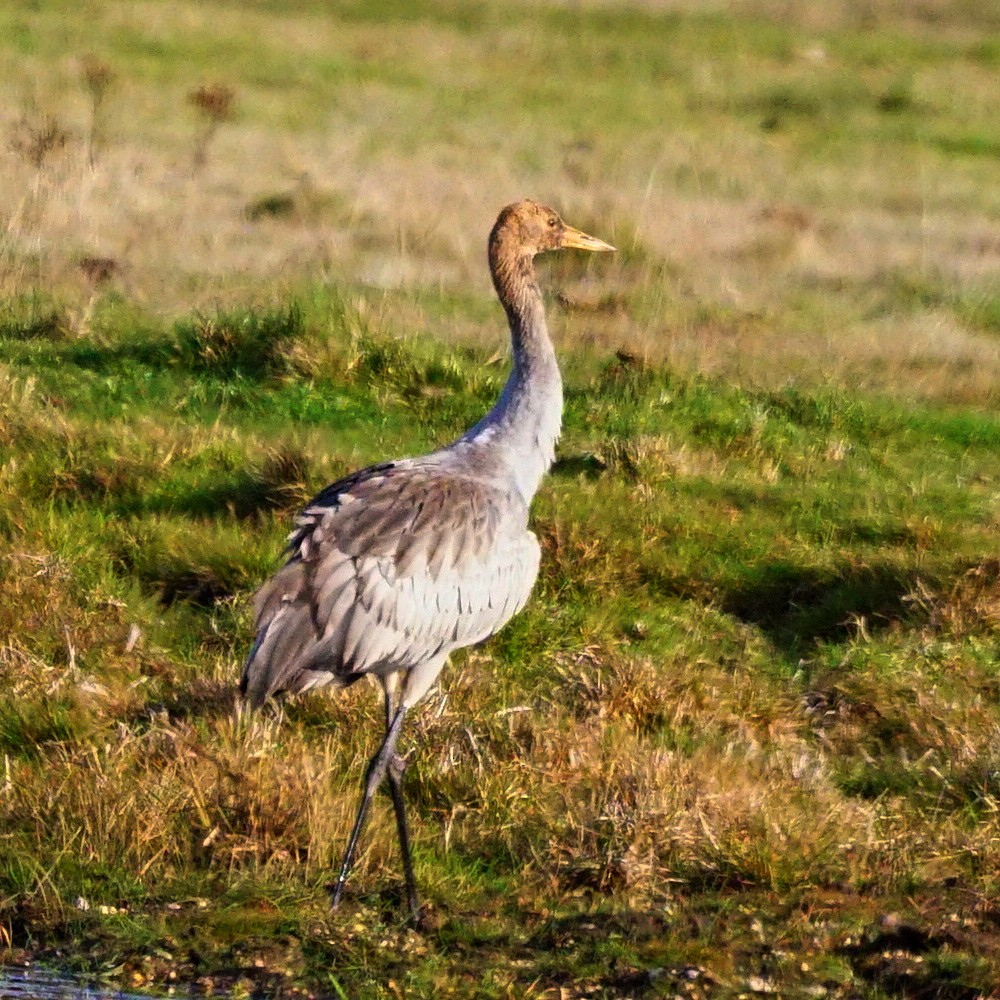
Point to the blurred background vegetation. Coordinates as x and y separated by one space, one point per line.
743 740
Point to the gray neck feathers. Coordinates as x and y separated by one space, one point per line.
519 434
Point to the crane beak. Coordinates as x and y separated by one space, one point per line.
573 238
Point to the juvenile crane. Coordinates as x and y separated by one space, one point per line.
394 567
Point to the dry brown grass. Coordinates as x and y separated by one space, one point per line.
576 795
639 781
971 607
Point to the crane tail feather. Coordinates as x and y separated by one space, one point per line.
273 664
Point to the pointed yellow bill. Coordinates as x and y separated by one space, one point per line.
581 241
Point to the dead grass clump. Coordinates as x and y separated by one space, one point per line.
67 688
921 735
174 799
70 462
606 302
98 78
635 693
635 780
33 584
284 475
330 344
216 104
682 701
262 803
118 476
650 458
776 820
22 417
392 363
576 559
145 804
98 270
981 311
971 607
641 817
35 138
789 217
65 660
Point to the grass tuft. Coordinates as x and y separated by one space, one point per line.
248 343
32 317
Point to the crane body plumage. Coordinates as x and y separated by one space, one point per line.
394 567
390 568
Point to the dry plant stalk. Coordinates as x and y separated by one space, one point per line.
35 138
216 103
98 78
97 271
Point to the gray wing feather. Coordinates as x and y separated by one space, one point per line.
387 569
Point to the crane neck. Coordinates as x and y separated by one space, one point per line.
521 430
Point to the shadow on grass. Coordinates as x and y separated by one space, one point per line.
238 344
633 925
244 496
570 951
202 699
201 586
586 464
908 962
202 580
797 606
155 354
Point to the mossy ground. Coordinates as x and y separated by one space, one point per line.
744 737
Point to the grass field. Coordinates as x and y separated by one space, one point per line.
744 738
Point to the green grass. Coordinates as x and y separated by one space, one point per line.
783 639
743 737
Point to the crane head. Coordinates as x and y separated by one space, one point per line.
535 228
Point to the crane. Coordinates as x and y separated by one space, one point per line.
395 566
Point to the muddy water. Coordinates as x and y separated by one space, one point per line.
34 984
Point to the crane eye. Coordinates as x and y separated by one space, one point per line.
553 222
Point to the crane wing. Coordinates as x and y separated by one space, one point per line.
389 568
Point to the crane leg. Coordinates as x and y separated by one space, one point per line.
377 768
397 767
